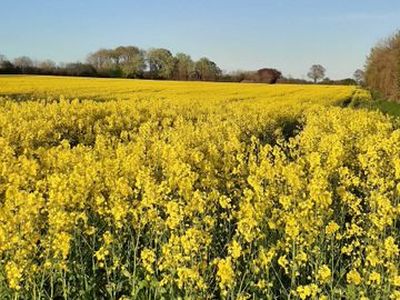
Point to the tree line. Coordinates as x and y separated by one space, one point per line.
25 65
133 62
126 62
155 63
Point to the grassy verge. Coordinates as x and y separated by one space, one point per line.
378 103
388 107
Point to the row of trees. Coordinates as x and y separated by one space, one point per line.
155 63
25 65
132 62
382 72
317 74
128 62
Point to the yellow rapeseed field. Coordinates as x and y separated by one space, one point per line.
129 189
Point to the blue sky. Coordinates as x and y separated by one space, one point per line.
238 34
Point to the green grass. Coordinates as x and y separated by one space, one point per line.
388 107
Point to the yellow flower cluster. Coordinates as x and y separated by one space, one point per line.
129 189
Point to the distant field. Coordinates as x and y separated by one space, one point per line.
111 89
130 189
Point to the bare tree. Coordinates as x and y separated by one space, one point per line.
23 63
98 59
316 73
46 66
359 76
103 61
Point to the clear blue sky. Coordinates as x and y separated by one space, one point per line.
237 34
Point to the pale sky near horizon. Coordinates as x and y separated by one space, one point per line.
289 35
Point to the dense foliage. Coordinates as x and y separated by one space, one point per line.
136 190
383 68
124 62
